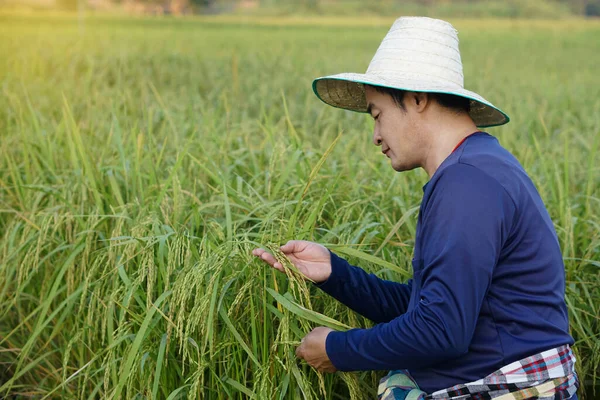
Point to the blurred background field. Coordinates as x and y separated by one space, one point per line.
438 8
143 158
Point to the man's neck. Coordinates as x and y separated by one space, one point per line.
444 137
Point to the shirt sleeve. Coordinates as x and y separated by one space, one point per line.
372 297
464 226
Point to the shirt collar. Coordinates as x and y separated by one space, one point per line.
452 155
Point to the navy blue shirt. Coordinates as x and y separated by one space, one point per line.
488 279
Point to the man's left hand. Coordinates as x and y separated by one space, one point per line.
312 350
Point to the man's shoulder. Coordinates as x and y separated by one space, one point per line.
487 155
483 164
465 176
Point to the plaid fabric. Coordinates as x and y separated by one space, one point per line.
549 375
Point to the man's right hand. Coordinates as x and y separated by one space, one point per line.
312 259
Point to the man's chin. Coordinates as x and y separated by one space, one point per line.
402 167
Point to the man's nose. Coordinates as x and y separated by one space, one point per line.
376 138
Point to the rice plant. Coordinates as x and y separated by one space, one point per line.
144 159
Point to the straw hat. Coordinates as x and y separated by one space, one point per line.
418 54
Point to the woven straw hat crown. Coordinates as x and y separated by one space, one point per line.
418 54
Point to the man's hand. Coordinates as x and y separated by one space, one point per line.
312 259
312 350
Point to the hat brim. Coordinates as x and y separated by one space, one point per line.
347 91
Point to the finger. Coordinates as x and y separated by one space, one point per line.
268 258
299 352
272 261
261 253
278 266
289 247
257 252
286 247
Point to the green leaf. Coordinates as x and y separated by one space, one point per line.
307 314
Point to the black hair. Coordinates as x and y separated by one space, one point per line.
453 102
396 94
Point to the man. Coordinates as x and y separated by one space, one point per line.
484 313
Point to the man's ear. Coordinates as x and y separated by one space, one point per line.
418 100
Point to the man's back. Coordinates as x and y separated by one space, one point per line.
523 311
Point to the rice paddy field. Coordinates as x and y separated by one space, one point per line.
142 159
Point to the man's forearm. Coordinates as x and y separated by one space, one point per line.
370 296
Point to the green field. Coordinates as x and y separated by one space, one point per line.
143 159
